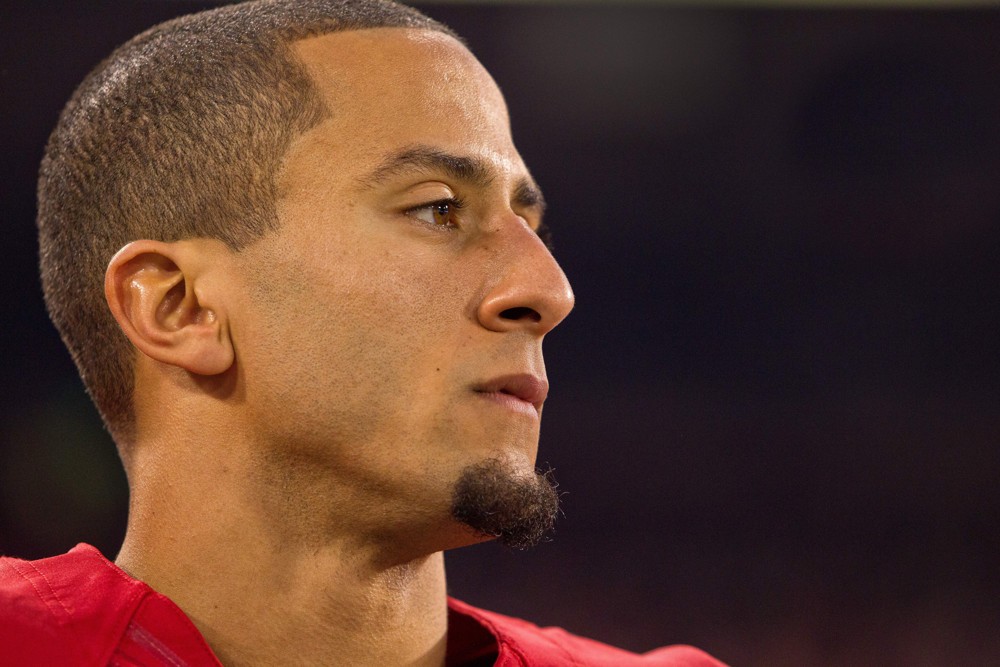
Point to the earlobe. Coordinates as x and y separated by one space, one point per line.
152 291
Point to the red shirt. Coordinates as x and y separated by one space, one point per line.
81 609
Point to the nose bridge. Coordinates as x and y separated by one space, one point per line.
530 290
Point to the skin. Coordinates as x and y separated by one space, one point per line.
305 406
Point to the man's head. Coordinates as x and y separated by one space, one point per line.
178 134
329 254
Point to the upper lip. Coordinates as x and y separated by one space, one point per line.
524 386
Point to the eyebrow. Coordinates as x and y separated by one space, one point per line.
471 170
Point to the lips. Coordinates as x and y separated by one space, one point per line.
523 387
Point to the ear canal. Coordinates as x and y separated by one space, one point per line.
151 291
172 309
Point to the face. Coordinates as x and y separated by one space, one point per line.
390 333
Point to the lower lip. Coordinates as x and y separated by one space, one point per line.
510 402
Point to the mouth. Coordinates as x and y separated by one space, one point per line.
522 392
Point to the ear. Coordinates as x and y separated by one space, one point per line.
156 293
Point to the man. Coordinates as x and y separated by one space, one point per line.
297 260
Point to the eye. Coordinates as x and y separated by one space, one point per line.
443 213
545 234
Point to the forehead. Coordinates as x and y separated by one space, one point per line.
390 88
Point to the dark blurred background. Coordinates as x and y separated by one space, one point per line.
775 408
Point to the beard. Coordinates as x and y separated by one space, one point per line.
496 500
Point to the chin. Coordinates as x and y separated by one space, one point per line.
506 500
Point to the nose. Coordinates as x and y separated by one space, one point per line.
533 293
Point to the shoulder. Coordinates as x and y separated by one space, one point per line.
29 631
527 644
64 610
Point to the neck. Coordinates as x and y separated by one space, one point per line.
279 592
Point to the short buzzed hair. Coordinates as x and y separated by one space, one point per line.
177 134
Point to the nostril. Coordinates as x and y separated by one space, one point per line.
521 313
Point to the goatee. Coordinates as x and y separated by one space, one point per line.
497 500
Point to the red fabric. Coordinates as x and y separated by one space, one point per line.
81 609
523 644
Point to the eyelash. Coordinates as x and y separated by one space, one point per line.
454 205
545 234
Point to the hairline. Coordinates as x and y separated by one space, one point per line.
68 304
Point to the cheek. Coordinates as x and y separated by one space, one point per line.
358 346
417 304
